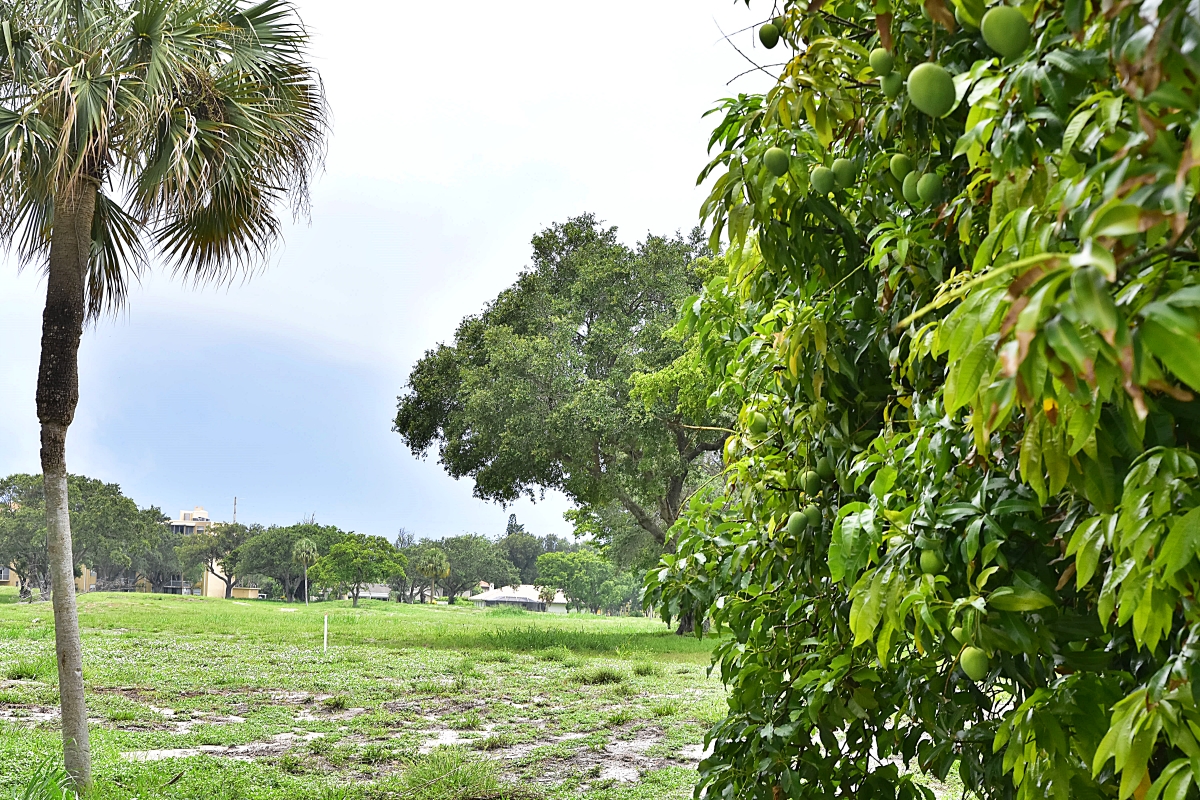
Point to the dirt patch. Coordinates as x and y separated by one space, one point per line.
440 738
29 715
277 745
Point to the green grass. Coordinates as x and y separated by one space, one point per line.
599 676
410 701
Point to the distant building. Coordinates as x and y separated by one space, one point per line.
211 583
524 596
194 521
86 581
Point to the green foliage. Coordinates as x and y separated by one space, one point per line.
218 550
521 548
109 533
599 676
1016 398
189 140
568 381
356 561
472 558
582 576
282 552
452 773
47 782
430 562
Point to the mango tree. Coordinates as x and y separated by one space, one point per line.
962 321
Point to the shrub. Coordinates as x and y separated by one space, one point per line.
508 611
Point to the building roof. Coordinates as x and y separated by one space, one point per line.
525 592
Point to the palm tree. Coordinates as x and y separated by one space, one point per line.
305 552
131 129
432 563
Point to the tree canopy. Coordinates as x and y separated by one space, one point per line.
110 533
357 561
959 528
569 381
521 548
472 558
217 550
584 577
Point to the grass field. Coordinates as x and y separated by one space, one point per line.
223 700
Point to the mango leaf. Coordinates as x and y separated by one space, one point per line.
1180 353
965 375
1181 544
1008 598
1114 219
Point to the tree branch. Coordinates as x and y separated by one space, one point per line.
644 519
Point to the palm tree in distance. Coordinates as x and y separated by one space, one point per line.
305 553
133 130
432 563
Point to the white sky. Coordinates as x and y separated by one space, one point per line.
456 137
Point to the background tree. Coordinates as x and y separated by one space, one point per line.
160 563
431 563
549 387
216 550
961 317
522 549
472 559
358 561
108 531
304 553
271 552
23 533
581 575
620 593
117 133
110 534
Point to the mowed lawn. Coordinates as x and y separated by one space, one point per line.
219 699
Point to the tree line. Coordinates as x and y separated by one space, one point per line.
128 547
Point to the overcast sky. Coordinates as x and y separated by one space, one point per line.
456 137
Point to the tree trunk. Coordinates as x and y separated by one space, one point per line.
355 603
57 396
306 585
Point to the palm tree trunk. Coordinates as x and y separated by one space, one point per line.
57 396
306 585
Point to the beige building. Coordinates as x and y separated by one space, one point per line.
194 521
85 582
211 583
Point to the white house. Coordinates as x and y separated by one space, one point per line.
523 596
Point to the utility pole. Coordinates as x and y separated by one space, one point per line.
235 511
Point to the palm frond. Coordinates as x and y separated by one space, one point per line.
117 255
223 239
195 119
